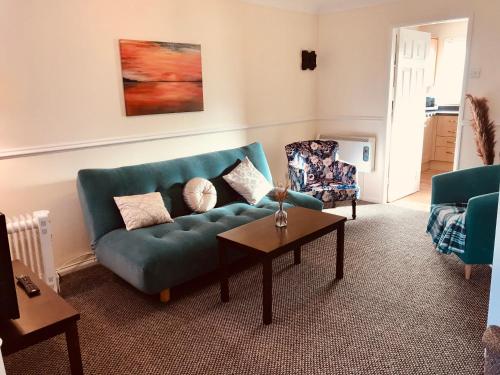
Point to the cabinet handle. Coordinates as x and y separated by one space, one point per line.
449 153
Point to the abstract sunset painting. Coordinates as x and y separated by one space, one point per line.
160 77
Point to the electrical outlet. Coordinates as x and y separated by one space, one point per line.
475 73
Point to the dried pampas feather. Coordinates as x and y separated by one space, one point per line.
484 129
281 192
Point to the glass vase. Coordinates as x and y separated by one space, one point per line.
281 217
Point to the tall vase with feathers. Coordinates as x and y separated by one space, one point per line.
484 129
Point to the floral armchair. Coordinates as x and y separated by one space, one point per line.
314 170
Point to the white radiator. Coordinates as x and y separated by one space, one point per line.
359 151
30 241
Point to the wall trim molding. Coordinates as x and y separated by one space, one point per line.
469 123
352 118
20 152
317 8
303 7
347 6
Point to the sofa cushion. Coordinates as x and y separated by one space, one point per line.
248 181
144 210
158 257
200 194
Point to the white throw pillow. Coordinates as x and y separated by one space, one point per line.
200 194
144 210
248 181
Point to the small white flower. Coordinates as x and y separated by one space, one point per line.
314 146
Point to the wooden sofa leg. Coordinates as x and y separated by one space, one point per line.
468 270
165 295
354 209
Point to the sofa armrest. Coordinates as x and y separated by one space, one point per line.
460 186
344 172
304 200
480 224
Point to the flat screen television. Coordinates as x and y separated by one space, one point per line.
8 298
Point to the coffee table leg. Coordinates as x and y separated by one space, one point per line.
224 282
73 343
267 291
296 255
339 272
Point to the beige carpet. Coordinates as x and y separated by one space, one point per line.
400 309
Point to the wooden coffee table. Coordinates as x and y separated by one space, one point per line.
263 239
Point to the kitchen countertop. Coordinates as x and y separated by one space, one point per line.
449 110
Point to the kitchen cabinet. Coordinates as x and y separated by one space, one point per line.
439 143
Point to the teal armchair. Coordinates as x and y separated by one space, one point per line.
478 187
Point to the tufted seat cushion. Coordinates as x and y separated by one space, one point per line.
170 254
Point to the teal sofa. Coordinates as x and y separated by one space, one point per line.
478 187
156 258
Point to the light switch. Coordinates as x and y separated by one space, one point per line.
475 73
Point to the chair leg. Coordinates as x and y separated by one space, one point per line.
354 209
468 270
165 295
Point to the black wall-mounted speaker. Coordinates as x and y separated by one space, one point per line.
308 60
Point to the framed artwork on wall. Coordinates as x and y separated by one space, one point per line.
161 77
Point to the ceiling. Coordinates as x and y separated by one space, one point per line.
318 6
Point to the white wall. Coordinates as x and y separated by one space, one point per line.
494 306
60 86
447 87
353 68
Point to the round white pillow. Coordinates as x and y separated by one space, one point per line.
200 195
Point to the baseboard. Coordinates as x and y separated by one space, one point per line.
369 199
80 265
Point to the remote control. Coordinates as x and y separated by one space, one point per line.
29 286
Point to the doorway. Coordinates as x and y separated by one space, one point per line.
427 92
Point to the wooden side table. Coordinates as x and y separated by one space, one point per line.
263 239
41 318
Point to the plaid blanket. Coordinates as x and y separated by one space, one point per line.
447 227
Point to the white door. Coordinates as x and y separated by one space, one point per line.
408 114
